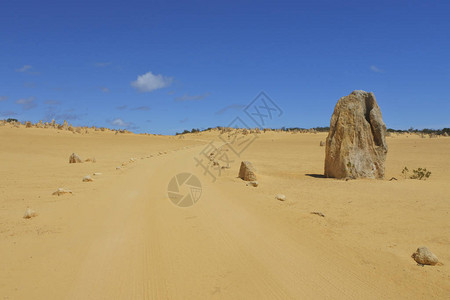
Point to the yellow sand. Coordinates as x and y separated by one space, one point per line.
120 237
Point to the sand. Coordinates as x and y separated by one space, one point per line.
120 237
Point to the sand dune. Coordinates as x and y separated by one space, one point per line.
120 237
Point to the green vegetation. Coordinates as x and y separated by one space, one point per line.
424 131
420 173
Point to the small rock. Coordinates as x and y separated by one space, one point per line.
87 178
124 164
97 174
280 197
424 256
118 168
132 159
29 213
247 171
61 191
75 159
253 183
322 143
318 213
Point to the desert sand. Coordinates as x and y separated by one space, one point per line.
120 237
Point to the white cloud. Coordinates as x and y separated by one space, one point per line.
24 68
27 69
230 107
27 103
3 98
376 69
186 97
102 64
149 82
119 122
52 102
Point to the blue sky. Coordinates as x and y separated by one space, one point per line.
165 66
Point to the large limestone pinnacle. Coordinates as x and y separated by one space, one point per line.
356 145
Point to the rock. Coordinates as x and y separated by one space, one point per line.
74 159
97 174
280 197
424 256
247 171
322 143
118 168
253 183
356 145
29 213
318 213
445 134
62 191
87 178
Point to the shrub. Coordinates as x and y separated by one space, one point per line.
420 174
405 172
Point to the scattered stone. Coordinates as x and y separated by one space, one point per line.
280 197
318 213
97 174
322 143
132 159
247 171
87 178
253 183
424 256
118 168
356 145
74 159
124 164
29 213
62 191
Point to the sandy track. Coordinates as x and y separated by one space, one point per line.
144 247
